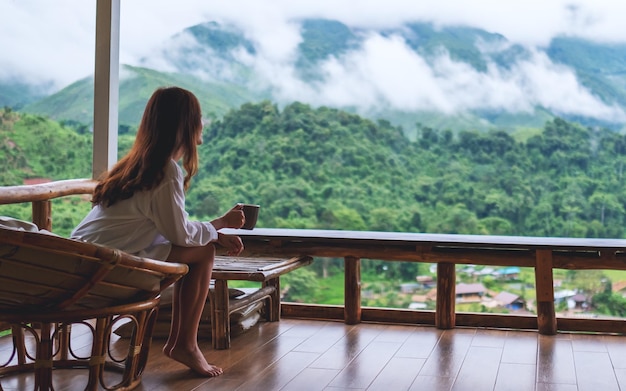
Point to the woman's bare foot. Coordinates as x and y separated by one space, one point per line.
194 360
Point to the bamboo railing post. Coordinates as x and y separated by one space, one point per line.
445 315
546 316
42 214
352 293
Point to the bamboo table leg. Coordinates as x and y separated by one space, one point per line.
220 323
272 313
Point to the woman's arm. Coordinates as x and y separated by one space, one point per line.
171 219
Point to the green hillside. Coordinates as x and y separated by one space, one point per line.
35 147
459 41
601 68
326 168
32 147
321 40
219 38
75 102
16 94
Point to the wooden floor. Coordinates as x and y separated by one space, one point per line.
316 355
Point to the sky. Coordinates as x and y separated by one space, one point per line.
52 41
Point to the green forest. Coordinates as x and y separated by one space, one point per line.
325 168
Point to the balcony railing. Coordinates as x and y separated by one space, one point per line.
543 254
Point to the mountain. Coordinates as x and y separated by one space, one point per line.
75 102
218 63
601 68
18 94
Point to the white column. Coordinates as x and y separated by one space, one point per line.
106 86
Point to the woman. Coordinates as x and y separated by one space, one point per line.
139 207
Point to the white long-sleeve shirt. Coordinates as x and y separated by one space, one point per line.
149 222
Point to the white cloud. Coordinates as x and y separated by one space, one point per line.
47 41
387 73
556 87
532 22
44 41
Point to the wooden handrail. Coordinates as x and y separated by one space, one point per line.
544 254
567 253
45 191
40 196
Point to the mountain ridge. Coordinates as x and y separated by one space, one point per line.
215 67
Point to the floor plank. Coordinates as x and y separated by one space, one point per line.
311 379
555 361
347 348
520 348
360 372
432 383
479 369
398 374
448 355
594 371
283 371
307 355
420 343
616 346
516 377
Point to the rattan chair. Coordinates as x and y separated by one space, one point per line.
49 284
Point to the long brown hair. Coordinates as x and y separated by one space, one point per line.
171 122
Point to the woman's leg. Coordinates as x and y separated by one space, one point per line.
190 294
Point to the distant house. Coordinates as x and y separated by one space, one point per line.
486 271
510 301
563 295
36 181
578 302
418 306
409 287
469 293
426 281
508 273
619 287
431 295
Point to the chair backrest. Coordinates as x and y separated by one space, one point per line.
48 272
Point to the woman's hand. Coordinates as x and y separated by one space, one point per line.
234 218
232 243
